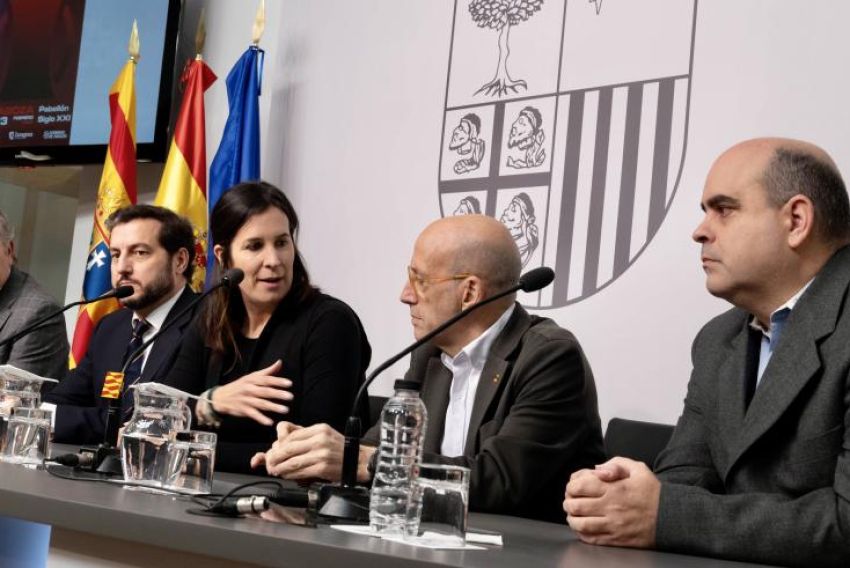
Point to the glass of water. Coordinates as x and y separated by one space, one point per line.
191 462
438 506
27 438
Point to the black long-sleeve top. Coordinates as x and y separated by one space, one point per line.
324 352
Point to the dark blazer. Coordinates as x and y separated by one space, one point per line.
80 412
324 352
534 419
43 351
769 483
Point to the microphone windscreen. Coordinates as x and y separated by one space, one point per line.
232 277
122 292
536 279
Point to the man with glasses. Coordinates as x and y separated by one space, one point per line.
509 395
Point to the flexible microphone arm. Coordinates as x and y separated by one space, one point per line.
531 281
231 277
118 293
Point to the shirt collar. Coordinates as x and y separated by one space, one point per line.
157 317
478 349
782 311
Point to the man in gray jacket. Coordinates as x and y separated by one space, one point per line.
758 467
22 302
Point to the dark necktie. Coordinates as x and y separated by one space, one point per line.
134 370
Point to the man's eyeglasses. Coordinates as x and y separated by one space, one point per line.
418 282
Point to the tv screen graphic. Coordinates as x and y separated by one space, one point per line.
58 60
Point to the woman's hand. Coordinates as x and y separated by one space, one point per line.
253 394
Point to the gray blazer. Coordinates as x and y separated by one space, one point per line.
534 418
45 350
770 483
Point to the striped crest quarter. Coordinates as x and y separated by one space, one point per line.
567 120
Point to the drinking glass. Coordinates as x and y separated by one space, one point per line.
27 439
191 461
438 505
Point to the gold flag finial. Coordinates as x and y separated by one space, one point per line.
133 46
259 23
201 34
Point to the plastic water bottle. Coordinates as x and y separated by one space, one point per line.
403 423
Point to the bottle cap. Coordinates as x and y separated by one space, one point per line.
402 384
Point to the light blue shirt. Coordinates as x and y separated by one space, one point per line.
770 337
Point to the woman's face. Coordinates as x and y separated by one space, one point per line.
263 248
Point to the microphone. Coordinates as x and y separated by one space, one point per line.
118 293
350 501
105 459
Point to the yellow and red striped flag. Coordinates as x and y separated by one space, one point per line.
117 189
183 187
112 383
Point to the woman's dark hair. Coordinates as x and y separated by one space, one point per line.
224 312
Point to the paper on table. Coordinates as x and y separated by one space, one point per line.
484 537
425 542
433 541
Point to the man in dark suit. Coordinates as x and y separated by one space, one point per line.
152 250
44 351
509 395
758 467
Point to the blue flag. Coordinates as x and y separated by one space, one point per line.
238 156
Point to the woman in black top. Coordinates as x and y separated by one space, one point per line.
275 348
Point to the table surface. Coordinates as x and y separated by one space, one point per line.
109 510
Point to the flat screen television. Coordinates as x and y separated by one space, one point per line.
58 59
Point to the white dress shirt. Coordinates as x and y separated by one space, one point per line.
466 368
156 319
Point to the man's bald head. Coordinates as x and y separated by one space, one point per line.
784 168
474 244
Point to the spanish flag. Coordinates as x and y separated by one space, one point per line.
117 189
183 187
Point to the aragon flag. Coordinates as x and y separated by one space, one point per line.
183 187
117 189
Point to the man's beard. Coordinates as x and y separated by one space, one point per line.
152 293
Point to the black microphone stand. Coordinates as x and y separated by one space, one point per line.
349 501
117 293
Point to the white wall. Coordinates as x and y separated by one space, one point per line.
352 113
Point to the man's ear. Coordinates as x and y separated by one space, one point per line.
799 213
180 260
473 291
12 252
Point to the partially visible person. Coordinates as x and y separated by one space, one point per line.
509 395
152 250
275 347
23 301
758 468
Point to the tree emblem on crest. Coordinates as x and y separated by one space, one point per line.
501 15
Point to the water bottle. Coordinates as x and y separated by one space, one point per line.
403 423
